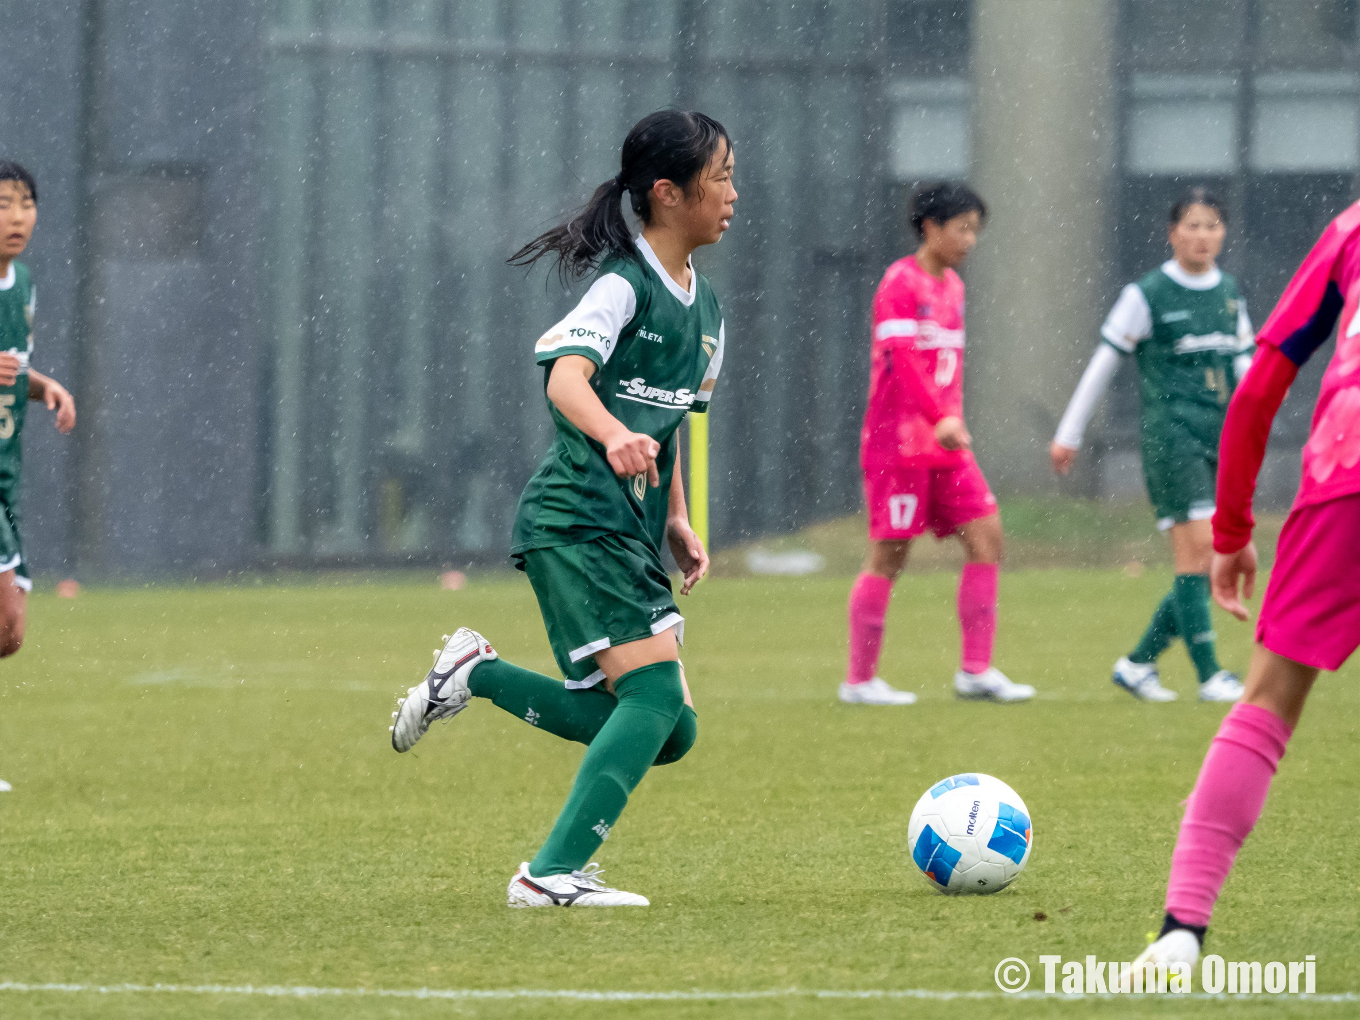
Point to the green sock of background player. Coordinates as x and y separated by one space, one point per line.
1183 613
579 715
1160 633
650 700
1190 595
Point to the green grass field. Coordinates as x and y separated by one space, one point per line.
204 796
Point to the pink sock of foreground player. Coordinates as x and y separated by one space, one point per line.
868 607
1227 800
977 615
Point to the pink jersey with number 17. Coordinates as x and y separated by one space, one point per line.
916 368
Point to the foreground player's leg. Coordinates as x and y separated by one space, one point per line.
539 700
650 703
1228 798
13 612
867 611
977 677
1192 548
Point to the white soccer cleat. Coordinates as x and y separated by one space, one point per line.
1177 946
1142 680
5 787
1222 686
579 889
875 692
992 685
444 691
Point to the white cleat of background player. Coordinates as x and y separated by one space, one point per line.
992 685
1142 680
5 787
875 692
444 691
579 889
1176 946
1222 686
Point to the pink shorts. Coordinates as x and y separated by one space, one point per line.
1311 612
903 502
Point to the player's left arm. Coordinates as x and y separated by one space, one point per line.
56 396
689 552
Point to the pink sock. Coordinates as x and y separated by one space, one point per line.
868 606
1227 800
977 615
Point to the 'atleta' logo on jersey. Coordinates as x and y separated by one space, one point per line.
655 338
638 390
1180 316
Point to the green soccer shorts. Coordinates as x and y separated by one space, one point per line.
608 591
1180 472
11 545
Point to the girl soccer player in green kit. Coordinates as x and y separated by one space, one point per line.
1188 331
641 349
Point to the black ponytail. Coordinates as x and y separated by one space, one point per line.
673 145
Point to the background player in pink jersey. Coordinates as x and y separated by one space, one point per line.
1310 618
919 471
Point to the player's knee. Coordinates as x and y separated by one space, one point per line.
682 738
11 641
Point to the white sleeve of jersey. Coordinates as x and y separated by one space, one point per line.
714 367
1094 382
1129 321
595 322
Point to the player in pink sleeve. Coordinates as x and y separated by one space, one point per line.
1310 617
919 471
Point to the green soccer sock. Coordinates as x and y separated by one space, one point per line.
1191 597
1160 633
575 715
650 702
542 701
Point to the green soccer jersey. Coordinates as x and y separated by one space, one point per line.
1187 334
18 302
658 350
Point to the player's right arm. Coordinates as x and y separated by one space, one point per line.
1128 324
629 453
1301 323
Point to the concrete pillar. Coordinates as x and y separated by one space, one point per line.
1043 159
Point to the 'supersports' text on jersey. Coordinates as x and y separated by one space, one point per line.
658 350
1186 332
916 368
18 301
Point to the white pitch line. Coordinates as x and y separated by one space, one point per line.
308 992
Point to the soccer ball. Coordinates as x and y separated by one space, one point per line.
970 834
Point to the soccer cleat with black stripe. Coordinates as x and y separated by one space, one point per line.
444 691
579 889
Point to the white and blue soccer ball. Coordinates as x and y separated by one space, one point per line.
970 834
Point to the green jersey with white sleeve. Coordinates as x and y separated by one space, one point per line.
658 350
18 305
1187 334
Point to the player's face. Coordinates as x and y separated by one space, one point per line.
954 239
709 208
1198 238
18 214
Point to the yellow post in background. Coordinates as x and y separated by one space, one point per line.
698 475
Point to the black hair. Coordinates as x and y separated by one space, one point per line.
941 201
12 171
672 145
1198 195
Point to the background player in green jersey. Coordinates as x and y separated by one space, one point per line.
642 349
19 383
1187 329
